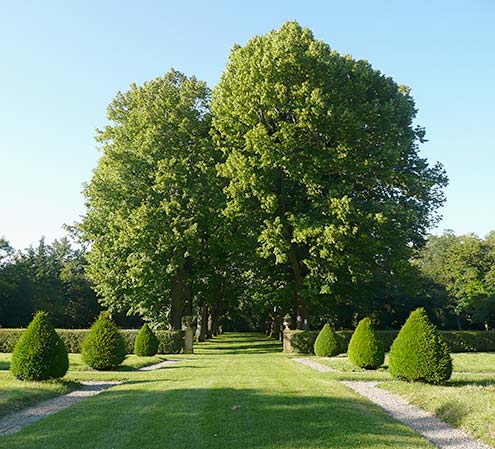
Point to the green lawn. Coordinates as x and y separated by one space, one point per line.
131 363
15 395
237 391
468 401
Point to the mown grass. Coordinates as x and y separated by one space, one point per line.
237 391
15 394
131 362
467 401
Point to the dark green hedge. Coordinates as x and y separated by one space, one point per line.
170 342
458 341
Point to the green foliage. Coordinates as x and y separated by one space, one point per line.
327 342
146 343
365 348
104 347
153 201
303 341
322 163
46 277
419 353
40 353
464 266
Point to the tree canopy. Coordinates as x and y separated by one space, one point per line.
152 203
295 186
321 158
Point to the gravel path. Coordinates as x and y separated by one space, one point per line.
16 421
315 365
158 365
433 429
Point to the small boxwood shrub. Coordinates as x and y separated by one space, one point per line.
40 353
327 342
365 348
146 343
419 353
104 347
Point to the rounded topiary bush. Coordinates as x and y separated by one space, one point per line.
104 347
327 342
40 353
365 348
146 343
419 353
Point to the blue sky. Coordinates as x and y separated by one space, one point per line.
62 63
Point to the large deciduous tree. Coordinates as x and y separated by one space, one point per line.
152 201
321 160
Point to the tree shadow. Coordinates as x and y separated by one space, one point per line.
239 344
216 418
480 381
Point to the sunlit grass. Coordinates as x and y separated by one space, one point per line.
235 392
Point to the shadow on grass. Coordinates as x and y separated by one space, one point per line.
216 419
481 380
246 343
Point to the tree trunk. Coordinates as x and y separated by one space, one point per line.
295 262
210 331
178 294
181 295
202 322
275 325
458 320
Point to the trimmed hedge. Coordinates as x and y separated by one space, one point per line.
39 354
419 353
458 341
170 342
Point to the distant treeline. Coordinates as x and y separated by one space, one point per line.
453 277
51 278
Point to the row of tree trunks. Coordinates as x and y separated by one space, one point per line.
207 324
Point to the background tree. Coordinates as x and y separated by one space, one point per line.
152 202
464 266
46 277
322 162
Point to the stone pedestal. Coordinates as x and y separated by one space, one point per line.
188 335
287 335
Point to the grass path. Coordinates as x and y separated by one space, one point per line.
237 391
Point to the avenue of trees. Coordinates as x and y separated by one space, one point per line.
295 187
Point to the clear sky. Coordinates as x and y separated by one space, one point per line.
63 61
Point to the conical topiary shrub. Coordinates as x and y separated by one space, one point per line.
419 353
40 353
327 342
146 343
365 348
104 347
